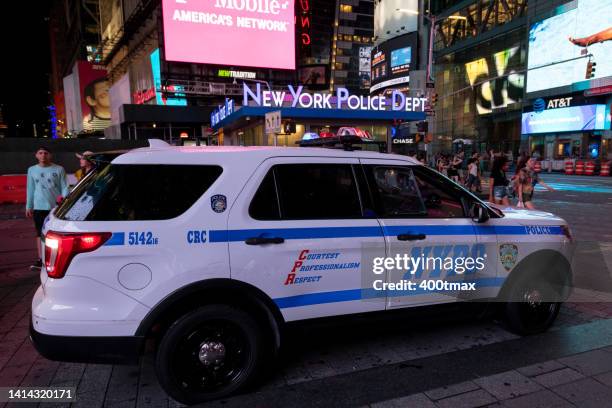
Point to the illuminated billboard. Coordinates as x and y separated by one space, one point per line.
313 75
573 118
572 35
400 60
392 62
506 88
94 96
253 33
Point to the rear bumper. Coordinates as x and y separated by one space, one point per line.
115 350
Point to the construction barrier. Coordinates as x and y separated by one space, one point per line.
13 188
569 166
538 166
605 169
579 167
589 168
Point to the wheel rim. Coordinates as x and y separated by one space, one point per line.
534 312
212 356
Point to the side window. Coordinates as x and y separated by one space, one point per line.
442 198
395 191
135 192
317 191
264 205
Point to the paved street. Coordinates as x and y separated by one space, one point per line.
440 362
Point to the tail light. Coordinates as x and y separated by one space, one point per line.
61 248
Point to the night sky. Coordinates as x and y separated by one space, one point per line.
25 65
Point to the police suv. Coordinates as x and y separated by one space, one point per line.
212 250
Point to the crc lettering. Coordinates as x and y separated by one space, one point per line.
196 237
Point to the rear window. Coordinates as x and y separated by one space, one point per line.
137 192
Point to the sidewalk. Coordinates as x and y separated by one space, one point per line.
583 380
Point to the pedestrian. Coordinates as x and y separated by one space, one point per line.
535 177
524 188
46 185
85 165
522 161
498 182
453 168
442 164
472 178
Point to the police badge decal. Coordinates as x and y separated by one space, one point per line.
508 254
218 203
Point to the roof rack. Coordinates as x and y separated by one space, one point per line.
347 143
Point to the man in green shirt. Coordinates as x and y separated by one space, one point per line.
46 184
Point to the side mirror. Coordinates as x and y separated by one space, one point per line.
479 213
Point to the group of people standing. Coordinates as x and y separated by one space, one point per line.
451 165
502 188
521 185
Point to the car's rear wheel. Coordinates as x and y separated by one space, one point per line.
532 308
209 353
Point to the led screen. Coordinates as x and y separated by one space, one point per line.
505 89
574 118
585 29
313 75
392 61
253 33
400 60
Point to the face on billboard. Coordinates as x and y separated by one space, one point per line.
586 29
253 33
500 92
95 100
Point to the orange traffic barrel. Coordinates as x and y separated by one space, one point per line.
579 167
605 169
589 168
569 166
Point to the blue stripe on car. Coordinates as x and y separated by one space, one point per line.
364 232
319 298
118 238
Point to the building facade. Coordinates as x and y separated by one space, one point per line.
480 57
566 113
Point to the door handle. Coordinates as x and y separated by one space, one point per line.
263 240
411 237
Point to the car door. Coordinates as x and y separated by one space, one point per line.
298 232
426 223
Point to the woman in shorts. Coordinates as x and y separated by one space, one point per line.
498 182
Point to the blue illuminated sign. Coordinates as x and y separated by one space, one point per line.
574 118
222 112
401 57
155 67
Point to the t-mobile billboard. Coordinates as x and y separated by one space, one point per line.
252 33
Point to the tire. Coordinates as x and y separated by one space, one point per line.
533 307
190 374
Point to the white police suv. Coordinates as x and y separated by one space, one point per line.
212 250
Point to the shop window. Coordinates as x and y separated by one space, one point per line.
346 8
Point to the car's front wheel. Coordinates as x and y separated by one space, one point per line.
209 353
532 308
